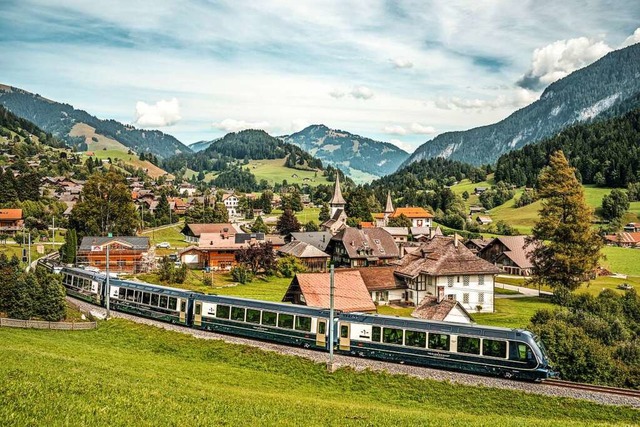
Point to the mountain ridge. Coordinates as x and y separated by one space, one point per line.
607 85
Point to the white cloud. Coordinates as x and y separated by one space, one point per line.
162 113
559 59
401 63
632 39
417 128
518 98
394 130
298 125
361 92
337 93
232 125
409 148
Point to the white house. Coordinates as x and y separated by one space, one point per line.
445 269
231 203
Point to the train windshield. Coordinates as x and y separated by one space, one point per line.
541 346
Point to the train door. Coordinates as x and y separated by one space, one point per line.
183 310
197 320
321 333
345 340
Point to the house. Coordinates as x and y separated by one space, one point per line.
631 227
383 286
177 205
479 190
338 217
445 310
231 202
218 250
424 234
473 210
127 254
192 232
319 239
476 245
11 221
313 290
311 257
510 253
484 220
353 247
400 234
625 239
446 269
382 219
419 217
188 189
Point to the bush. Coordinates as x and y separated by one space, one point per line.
289 266
241 274
207 280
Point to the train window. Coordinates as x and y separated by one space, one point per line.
253 316
183 306
468 345
322 327
146 298
494 348
439 341
375 333
237 314
269 318
344 331
173 303
524 353
415 339
285 321
198 309
163 301
223 311
154 299
303 323
138 296
130 293
392 336
122 292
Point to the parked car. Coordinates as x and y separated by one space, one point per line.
165 245
625 286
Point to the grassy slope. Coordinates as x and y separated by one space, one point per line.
274 171
126 374
114 149
622 260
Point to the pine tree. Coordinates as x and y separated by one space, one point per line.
220 214
287 223
325 213
259 226
163 211
569 248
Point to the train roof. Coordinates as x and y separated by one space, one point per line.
436 326
83 272
151 287
265 305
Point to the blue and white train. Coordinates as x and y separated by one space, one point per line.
484 350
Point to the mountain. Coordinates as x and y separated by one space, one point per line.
17 129
201 145
65 122
609 86
357 156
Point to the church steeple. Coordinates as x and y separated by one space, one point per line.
337 201
389 208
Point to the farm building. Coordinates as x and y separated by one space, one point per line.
353 247
11 221
510 253
127 254
311 257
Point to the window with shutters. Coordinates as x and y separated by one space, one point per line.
450 281
481 298
465 280
481 280
465 298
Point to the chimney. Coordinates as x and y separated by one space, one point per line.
455 240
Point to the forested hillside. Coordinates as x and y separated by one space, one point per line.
12 126
58 119
604 153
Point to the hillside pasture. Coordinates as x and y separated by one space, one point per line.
274 172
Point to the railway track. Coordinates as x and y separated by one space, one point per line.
593 388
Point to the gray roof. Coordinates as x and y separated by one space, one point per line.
318 239
245 237
302 250
337 198
137 243
368 243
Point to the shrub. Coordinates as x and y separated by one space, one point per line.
289 266
241 274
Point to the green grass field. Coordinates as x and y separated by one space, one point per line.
124 374
513 312
622 260
274 171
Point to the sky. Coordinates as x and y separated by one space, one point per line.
395 71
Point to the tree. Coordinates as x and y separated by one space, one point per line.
163 211
259 226
167 270
568 247
633 192
105 207
70 247
51 305
465 195
289 266
287 223
257 258
311 226
325 213
220 214
241 274
615 205
265 201
400 221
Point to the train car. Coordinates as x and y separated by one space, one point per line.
156 302
510 353
84 284
284 323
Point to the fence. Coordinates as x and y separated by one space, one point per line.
37 324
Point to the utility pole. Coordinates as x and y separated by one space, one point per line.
331 314
108 290
29 252
54 233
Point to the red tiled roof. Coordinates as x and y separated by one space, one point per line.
10 214
350 294
623 237
380 278
412 212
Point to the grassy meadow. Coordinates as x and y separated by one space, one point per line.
274 171
124 374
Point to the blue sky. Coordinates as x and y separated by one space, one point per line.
398 71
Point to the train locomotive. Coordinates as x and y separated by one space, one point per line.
484 350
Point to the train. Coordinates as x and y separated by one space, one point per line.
483 350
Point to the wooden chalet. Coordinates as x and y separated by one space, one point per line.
217 251
11 221
192 232
353 247
311 257
510 253
127 254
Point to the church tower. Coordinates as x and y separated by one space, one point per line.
388 210
337 201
